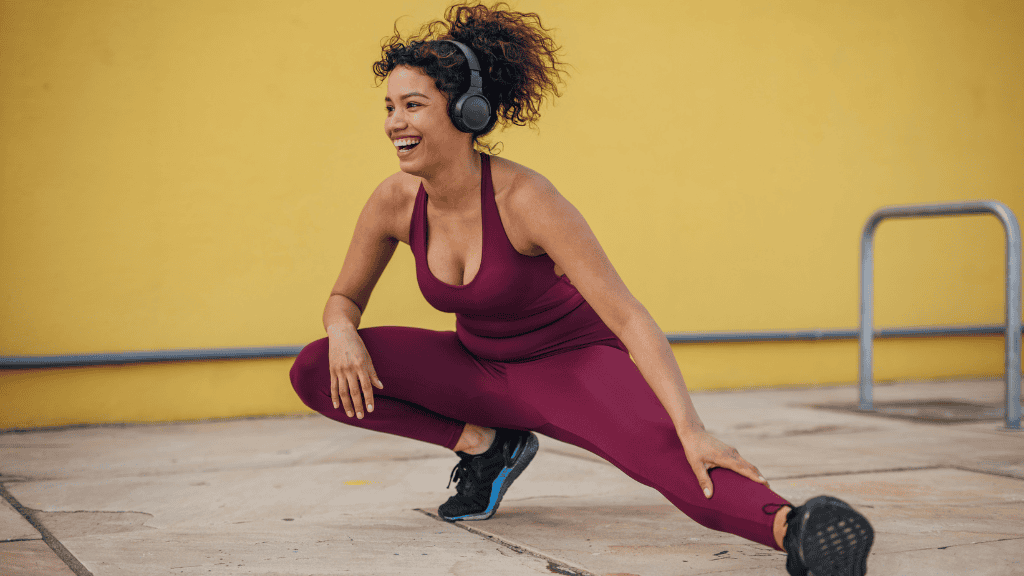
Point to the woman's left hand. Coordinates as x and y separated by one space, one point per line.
705 452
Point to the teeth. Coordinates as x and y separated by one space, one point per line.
406 142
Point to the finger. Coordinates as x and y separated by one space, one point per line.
343 395
356 394
703 479
740 465
760 478
376 380
334 390
364 380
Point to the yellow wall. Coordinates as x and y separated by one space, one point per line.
188 174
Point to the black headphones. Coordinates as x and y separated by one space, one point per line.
470 111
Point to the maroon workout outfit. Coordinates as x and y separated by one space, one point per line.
529 353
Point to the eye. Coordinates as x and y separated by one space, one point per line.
411 104
389 108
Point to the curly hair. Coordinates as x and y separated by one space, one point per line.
518 59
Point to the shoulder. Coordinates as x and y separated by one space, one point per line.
533 204
392 201
524 190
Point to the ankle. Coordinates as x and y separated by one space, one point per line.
475 440
780 525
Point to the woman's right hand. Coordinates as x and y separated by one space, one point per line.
352 374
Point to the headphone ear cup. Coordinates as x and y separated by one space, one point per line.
476 111
470 112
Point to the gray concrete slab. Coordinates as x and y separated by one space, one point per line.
784 437
305 495
298 519
150 450
31 558
13 525
915 510
400 543
641 536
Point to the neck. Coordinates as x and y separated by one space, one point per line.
455 184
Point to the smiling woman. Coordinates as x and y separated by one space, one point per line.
545 327
514 51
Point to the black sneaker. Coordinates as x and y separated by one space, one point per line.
481 480
826 537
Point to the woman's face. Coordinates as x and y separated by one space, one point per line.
418 124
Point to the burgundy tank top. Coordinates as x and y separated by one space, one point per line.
515 308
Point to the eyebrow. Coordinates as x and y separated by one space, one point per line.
409 95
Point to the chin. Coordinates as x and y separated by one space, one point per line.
415 167
412 168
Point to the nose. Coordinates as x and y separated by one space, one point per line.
395 121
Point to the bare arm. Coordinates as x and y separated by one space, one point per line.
653 355
373 243
559 228
556 225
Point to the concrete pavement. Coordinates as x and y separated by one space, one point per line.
305 495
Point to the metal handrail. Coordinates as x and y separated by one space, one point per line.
1013 291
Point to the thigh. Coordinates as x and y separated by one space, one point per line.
596 398
434 370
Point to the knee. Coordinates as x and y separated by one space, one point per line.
309 371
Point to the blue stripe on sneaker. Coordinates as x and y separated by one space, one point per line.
496 488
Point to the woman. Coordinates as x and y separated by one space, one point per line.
544 325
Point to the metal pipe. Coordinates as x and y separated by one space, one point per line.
196 354
134 357
1013 292
830 334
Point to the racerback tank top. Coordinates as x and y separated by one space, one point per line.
515 308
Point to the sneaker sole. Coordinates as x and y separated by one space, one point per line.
527 450
835 538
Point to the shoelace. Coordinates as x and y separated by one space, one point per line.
777 507
460 474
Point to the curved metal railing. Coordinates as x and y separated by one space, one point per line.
1013 291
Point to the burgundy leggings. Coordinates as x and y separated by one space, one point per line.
593 397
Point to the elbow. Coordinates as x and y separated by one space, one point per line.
628 316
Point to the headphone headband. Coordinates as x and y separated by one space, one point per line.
475 79
470 111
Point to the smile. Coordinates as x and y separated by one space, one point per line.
404 144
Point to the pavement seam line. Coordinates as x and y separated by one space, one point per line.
554 564
868 471
901 469
63 553
948 546
982 471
